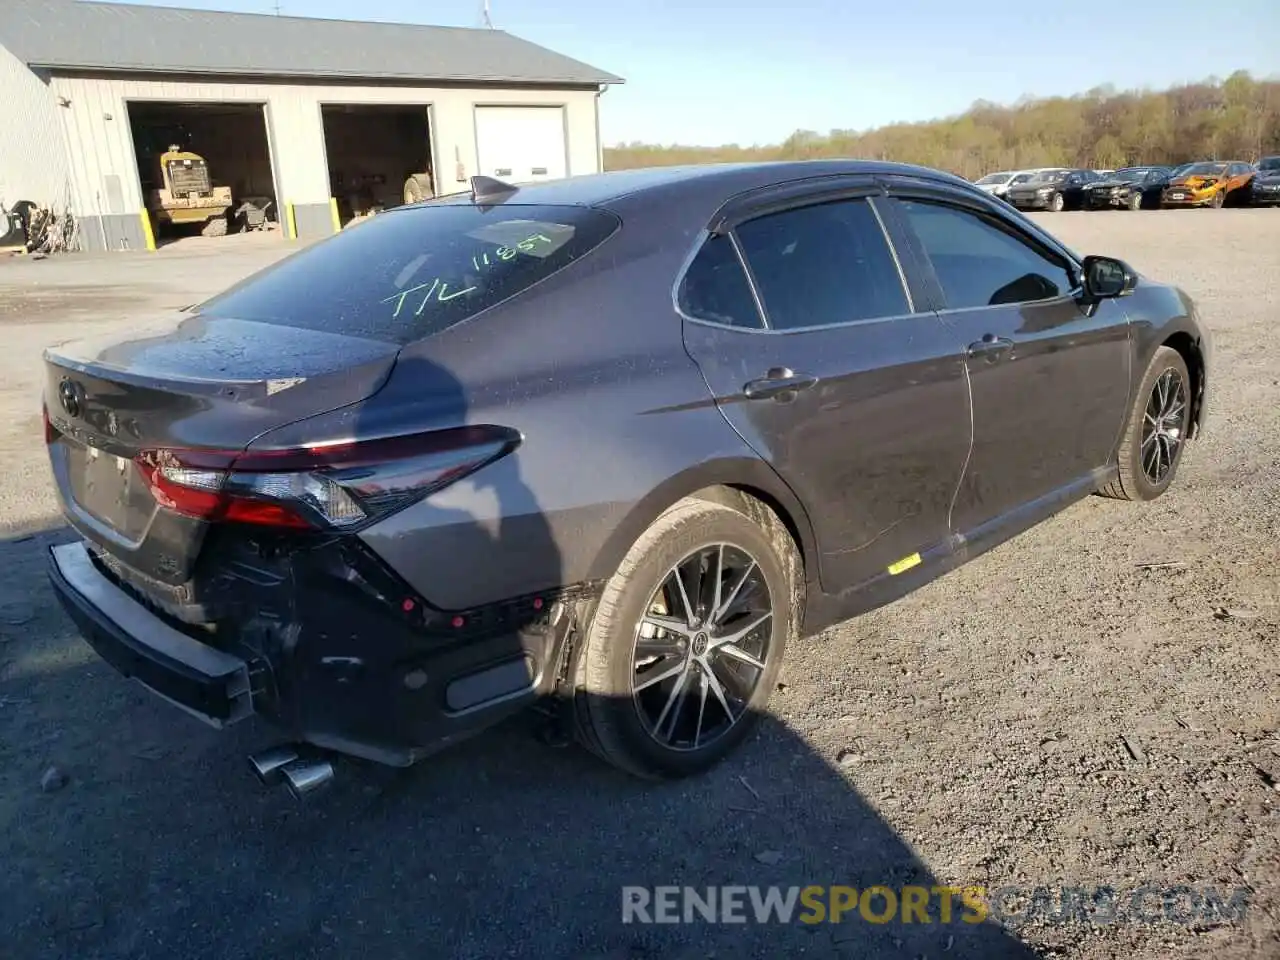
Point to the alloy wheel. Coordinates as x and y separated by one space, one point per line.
1162 425
702 646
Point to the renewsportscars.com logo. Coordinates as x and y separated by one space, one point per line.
1010 906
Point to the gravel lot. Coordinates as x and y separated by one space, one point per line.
1094 703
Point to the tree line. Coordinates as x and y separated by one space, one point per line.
1233 119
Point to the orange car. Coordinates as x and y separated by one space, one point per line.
1207 184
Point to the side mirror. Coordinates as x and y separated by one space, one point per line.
1107 277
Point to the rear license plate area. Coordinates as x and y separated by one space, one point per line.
106 486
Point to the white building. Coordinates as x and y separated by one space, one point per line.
323 117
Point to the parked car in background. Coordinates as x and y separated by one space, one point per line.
1208 183
998 184
1056 189
1264 189
381 495
1130 188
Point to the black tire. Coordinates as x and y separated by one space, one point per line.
1057 203
607 707
1135 201
418 188
217 227
1136 481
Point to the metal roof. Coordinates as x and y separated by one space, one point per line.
67 35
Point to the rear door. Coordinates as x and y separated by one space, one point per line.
820 359
1049 375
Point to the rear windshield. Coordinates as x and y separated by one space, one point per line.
408 274
1204 169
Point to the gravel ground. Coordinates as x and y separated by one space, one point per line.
1092 704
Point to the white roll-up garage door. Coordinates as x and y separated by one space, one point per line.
519 144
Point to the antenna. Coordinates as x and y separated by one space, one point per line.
485 19
277 7
487 191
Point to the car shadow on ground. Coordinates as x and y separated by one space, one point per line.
160 843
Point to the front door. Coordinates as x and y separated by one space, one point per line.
1049 375
857 399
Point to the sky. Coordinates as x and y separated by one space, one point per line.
711 72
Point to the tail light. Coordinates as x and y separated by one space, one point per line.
50 431
332 486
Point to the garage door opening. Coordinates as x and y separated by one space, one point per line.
205 168
379 156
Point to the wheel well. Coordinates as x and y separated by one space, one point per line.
739 495
1190 353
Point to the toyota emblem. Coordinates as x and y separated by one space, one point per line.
69 394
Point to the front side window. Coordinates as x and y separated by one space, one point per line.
980 264
715 288
824 264
1269 164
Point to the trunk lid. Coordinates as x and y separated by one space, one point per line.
194 382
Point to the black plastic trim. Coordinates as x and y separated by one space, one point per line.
210 684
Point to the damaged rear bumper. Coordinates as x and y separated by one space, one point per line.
207 683
337 672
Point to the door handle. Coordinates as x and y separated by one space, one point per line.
780 383
991 347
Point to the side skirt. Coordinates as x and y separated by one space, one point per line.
826 609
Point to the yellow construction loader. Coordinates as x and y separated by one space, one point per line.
186 195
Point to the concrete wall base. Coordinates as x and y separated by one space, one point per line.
313 220
113 231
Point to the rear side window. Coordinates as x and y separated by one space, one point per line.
824 264
715 287
411 273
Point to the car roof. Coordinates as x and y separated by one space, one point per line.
726 178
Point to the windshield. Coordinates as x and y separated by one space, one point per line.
1204 170
1050 176
1269 163
414 272
1130 174
1020 178
995 178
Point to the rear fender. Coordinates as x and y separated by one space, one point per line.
751 476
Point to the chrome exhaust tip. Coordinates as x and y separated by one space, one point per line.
305 777
267 764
